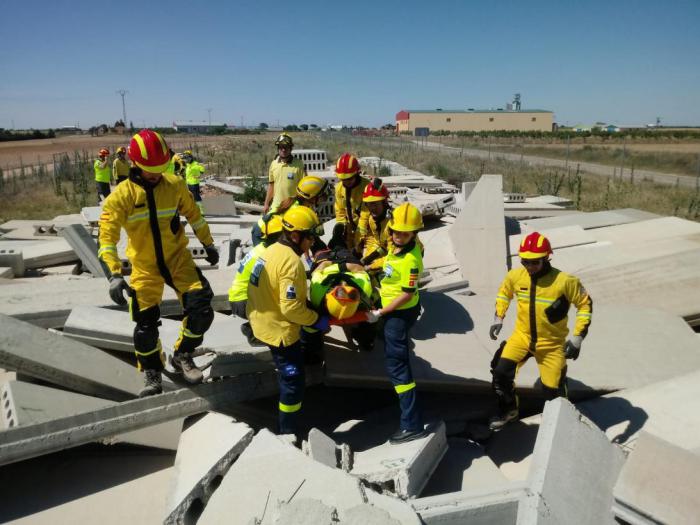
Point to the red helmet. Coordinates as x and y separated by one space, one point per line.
375 191
535 246
149 151
347 166
104 152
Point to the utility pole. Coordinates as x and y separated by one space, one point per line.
209 111
123 93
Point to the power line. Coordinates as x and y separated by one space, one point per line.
123 93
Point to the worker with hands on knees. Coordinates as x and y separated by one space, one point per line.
148 206
544 295
399 311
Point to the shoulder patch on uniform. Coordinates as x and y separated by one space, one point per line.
291 292
412 277
290 175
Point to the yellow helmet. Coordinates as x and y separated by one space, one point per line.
187 152
121 149
342 301
284 139
406 218
274 225
311 186
300 219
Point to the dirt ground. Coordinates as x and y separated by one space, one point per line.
673 147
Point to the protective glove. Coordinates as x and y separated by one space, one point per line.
373 316
212 254
117 287
322 323
495 327
572 348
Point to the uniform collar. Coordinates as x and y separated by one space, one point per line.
286 242
407 248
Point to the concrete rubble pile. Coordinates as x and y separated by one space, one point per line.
78 445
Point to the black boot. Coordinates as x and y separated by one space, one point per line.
153 383
404 436
183 363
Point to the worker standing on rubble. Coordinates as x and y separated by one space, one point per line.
284 174
120 166
103 175
148 206
544 295
277 308
348 201
400 309
193 174
238 293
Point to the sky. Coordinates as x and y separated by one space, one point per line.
352 63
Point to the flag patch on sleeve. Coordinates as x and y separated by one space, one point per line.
291 292
413 277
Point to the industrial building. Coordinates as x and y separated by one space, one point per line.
197 127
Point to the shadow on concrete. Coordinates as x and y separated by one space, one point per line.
513 443
607 412
441 315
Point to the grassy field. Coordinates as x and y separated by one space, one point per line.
35 196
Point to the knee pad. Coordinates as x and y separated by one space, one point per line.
146 329
560 390
197 307
504 372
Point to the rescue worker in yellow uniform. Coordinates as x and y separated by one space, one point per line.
103 175
148 206
374 237
277 308
400 309
238 293
177 165
284 174
544 295
193 175
120 166
348 202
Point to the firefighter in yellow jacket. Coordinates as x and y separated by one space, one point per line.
277 308
544 295
374 237
148 206
348 202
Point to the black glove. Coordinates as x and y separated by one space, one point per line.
212 254
495 328
572 348
338 238
117 287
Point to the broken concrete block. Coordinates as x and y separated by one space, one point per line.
85 248
573 471
659 483
36 352
302 512
402 469
48 253
322 448
206 451
269 471
27 404
368 515
12 258
6 272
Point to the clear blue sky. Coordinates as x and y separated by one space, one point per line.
355 63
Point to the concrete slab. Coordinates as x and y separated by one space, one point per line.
478 236
597 219
269 471
558 237
321 448
402 469
6 272
12 258
659 483
219 205
206 451
49 253
58 360
573 471
85 248
27 404
301 512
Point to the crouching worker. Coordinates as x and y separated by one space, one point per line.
400 309
544 295
277 308
238 293
148 206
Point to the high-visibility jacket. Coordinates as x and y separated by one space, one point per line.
374 236
193 173
277 296
401 272
151 218
348 204
120 167
102 174
239 287
285 177
322 280
535 296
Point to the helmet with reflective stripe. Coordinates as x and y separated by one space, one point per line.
535 246
347 166
406 218
121 149
274 225
311 186
342 301
284 139
104 152
149 151
300 219
375 191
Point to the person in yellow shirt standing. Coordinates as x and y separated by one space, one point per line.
277 308
120 166
544 296
148 206
348 202
103 175
400 309
193 175
284 175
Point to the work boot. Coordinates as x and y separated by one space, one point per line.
184 364
500 420
153 383
404 436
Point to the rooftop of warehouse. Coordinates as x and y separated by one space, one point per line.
471 110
